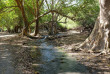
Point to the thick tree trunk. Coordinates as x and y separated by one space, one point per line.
21 7
53 25
99 39
37 27
37 21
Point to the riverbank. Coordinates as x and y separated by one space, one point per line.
50 56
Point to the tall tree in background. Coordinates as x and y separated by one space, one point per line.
50 11
52 20
21 7
99 40
37 21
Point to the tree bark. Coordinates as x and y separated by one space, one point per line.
99 39
37 21
21 7
53 29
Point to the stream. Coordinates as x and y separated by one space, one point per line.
55 61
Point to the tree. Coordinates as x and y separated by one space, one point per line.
99 39
21 7
38 12
37 15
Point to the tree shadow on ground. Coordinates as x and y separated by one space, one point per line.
70 41
27 57
19 53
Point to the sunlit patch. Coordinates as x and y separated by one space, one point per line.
33 47
26 46
3 57
6 49
70 73
3 43
72 32
7 36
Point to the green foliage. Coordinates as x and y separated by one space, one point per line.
84 11
69 24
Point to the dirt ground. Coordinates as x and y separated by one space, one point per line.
96 63
23 52
14 54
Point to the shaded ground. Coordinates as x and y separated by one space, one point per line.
13 55
6 63
6 66
96 64
21 55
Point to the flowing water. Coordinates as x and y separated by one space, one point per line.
57 62
53 61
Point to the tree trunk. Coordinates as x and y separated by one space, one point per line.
52 30
21 7
99 39
37 27
37 21
55 24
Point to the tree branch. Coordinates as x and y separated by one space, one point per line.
41 4
40 16
6 7
72 18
